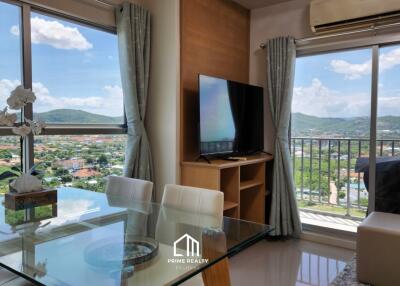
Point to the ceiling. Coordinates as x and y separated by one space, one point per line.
254 4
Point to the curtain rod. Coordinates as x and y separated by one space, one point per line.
369 29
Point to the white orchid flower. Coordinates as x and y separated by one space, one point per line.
20 97
6 118
36 126
22 130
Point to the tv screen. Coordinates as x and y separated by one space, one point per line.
231 117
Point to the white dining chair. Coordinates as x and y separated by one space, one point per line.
196 200
131 194
129 189
183 207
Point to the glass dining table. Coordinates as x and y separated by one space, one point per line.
89 238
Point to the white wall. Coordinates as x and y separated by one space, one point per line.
286 19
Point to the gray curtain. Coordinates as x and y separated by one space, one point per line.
133 28
281 58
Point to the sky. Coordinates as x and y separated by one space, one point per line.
216 120
338 84
73 66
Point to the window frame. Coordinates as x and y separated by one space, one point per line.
27 147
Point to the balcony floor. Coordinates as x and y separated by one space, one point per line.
325 220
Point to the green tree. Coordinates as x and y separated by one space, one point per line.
66 178
103 160
59 172
5 154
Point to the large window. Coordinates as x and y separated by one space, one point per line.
330 130
10 50
10 76
73 68
75 73
346 110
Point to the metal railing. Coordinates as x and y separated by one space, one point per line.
324 171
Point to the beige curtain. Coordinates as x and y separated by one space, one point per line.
133 28
281 58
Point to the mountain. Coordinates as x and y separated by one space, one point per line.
354 127
75 117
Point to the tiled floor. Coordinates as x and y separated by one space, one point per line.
286 263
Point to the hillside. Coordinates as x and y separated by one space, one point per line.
76 117
354 127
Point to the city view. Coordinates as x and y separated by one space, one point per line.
76 80
325 175
79 161
327 171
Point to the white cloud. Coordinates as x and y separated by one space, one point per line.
55 34
15 30
71 210
110 104
114 90
354 71
209 81
6 86
319 100
351 71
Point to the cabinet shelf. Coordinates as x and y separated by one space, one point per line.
248 184
242 183
229 205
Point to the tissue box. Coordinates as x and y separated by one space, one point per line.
17 201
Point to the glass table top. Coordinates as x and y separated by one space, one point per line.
90 238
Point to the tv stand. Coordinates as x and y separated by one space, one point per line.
243 183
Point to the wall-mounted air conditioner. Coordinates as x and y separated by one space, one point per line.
328 15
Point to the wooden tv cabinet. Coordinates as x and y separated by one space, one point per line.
242 182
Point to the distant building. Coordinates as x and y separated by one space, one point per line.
118 167
86 173
74 164
92 182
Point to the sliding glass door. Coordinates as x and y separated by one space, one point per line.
387 167
345 122
330 131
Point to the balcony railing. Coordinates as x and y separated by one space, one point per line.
325 179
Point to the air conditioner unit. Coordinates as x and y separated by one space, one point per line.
328 15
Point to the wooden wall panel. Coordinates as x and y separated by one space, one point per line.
214 41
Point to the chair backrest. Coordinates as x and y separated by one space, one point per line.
196 200
202 209
130 189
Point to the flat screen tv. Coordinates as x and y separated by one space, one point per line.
231 117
